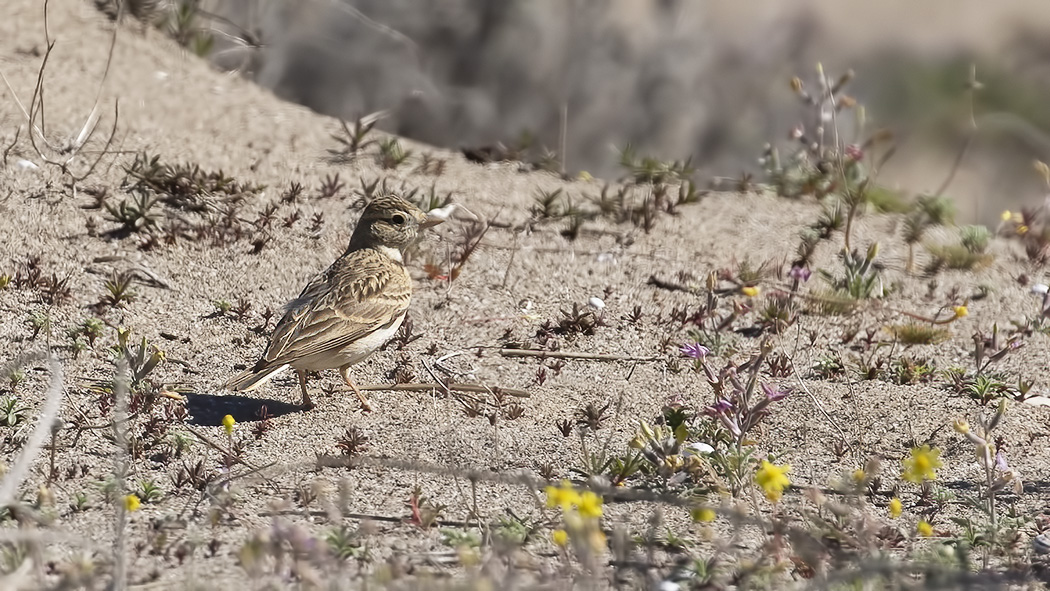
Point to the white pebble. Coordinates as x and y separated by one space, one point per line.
700 447
596 303
1041 544
1040 289
26 165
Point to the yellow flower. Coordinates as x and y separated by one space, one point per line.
131 503
1022 229
772 480
895 507
922 464
925 529
227 423
560 537
961 426
1006 215
750 291
585 176
859 475
590 504
961 311
703 514
563 496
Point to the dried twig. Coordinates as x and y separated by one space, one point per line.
572 355
423 387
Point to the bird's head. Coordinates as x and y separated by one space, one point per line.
390 223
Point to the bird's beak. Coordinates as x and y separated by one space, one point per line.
431 221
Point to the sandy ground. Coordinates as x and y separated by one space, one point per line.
173 105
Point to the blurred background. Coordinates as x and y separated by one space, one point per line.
674 78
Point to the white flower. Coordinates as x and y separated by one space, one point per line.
596 303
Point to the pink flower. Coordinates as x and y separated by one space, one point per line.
773 393
800 273
694 351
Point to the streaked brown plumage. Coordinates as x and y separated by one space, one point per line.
352 308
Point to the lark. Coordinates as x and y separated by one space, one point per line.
347 312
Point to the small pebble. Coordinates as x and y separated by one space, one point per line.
1041 544
700 447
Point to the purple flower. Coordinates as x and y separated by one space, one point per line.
720 407
773 393
1000 461
800 273
854 152
694 351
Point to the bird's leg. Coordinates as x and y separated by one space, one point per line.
344 371
307 403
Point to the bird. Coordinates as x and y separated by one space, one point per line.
350 309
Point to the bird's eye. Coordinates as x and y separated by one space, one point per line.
397 219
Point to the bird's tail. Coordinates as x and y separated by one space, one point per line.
253 378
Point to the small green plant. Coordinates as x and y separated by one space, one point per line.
15 378
391 154
974 238
352 443
80 503
222 307
998 478
648 170
344 543
455 538
149 492
77 346
331 186
355 139
135 214
828 367
92 329
12 412
548 204
909 371
119 292
40 322
955 256
513 530
861 278
969 254
985 388
918 333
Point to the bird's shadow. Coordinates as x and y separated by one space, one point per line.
209 409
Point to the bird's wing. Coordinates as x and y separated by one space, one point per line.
361 292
